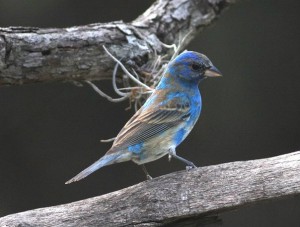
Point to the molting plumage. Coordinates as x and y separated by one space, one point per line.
166 118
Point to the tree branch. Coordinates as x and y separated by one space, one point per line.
30 55
177 197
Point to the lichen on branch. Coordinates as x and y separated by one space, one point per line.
32 55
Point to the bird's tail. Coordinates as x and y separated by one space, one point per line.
107 159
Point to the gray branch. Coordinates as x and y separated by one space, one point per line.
30 55
177 198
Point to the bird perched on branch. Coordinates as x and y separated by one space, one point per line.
166 118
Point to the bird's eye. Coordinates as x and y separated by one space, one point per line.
196 67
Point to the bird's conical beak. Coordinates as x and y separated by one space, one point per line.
212 72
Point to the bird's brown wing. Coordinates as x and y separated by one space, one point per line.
148 123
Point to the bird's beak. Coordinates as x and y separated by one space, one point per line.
212 72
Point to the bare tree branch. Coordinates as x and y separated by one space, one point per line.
177 197
30 55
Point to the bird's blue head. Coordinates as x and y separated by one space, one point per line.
191 67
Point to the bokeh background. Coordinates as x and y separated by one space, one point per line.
49 132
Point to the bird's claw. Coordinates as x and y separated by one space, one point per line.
188 168
148 177
191 166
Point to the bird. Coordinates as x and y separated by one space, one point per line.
164 120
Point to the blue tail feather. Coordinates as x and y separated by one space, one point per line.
107 159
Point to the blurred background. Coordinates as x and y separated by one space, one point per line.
50 132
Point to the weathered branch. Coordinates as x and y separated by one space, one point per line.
176 197
29 55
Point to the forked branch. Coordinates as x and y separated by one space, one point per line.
30 55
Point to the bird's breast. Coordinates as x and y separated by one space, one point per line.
186 127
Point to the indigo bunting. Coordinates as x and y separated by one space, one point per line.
165 119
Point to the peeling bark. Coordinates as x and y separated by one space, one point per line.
30 55
176 199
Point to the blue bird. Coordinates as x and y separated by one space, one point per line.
166 118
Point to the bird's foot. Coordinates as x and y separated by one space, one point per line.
149 177
191 166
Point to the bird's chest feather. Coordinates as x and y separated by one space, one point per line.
196 104
187 125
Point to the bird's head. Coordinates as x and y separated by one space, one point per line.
192 67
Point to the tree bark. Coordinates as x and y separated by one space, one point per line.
177 198
30 55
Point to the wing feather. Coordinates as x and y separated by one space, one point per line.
148 123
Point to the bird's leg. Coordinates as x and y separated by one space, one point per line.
190 165
146 172
169 157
